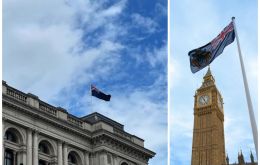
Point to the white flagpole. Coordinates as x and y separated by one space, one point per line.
91 110
248 98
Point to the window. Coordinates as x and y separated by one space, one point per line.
72 159
43 148
42 162
9 157
124 163
10 136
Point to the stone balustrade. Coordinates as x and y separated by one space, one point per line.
16 94
48 108
75 121
61 113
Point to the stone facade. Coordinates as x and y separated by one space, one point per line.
36 133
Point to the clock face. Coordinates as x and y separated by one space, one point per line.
203 100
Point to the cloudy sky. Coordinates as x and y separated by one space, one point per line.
194 24
56 49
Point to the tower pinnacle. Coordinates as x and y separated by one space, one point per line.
208 79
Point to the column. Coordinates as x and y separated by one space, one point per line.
29 147
103 158
35 148
15 158
24 157
115 160
3 133
65 154
59 152
86 158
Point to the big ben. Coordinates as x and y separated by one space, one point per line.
208 146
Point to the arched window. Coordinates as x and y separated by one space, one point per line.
72 159
124 163
43 148
46 152
10 136
42 162
9 157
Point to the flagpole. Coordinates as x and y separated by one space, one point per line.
248 98
91 107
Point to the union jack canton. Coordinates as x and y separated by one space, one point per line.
203 56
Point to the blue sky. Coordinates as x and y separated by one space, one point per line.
194 24
56 49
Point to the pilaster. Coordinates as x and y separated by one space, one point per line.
86 156
35 148
103 158
65 154
3 134
60 153
24 157
115 160
29 147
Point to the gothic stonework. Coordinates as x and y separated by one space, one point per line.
208 145
36 133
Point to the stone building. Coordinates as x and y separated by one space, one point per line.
241 160
37 133
208 146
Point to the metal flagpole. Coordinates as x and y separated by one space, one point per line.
248 98
91 111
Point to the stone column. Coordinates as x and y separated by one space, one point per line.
29 147
3 138
86 155
24 157
103 158
65 154
15 157
115 160
35 148
60 153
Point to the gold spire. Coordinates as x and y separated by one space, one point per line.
208 79
208 72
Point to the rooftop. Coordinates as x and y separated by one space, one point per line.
88 122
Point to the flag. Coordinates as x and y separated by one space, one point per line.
203 56
97 93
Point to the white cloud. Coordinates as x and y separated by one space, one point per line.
41 49
145 22
157 56
139 111
43 53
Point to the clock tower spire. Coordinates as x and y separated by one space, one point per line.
208 147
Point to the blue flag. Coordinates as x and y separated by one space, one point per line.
97 93
203 56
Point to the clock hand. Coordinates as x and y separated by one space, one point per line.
204 99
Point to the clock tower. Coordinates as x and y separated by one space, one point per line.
208 146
